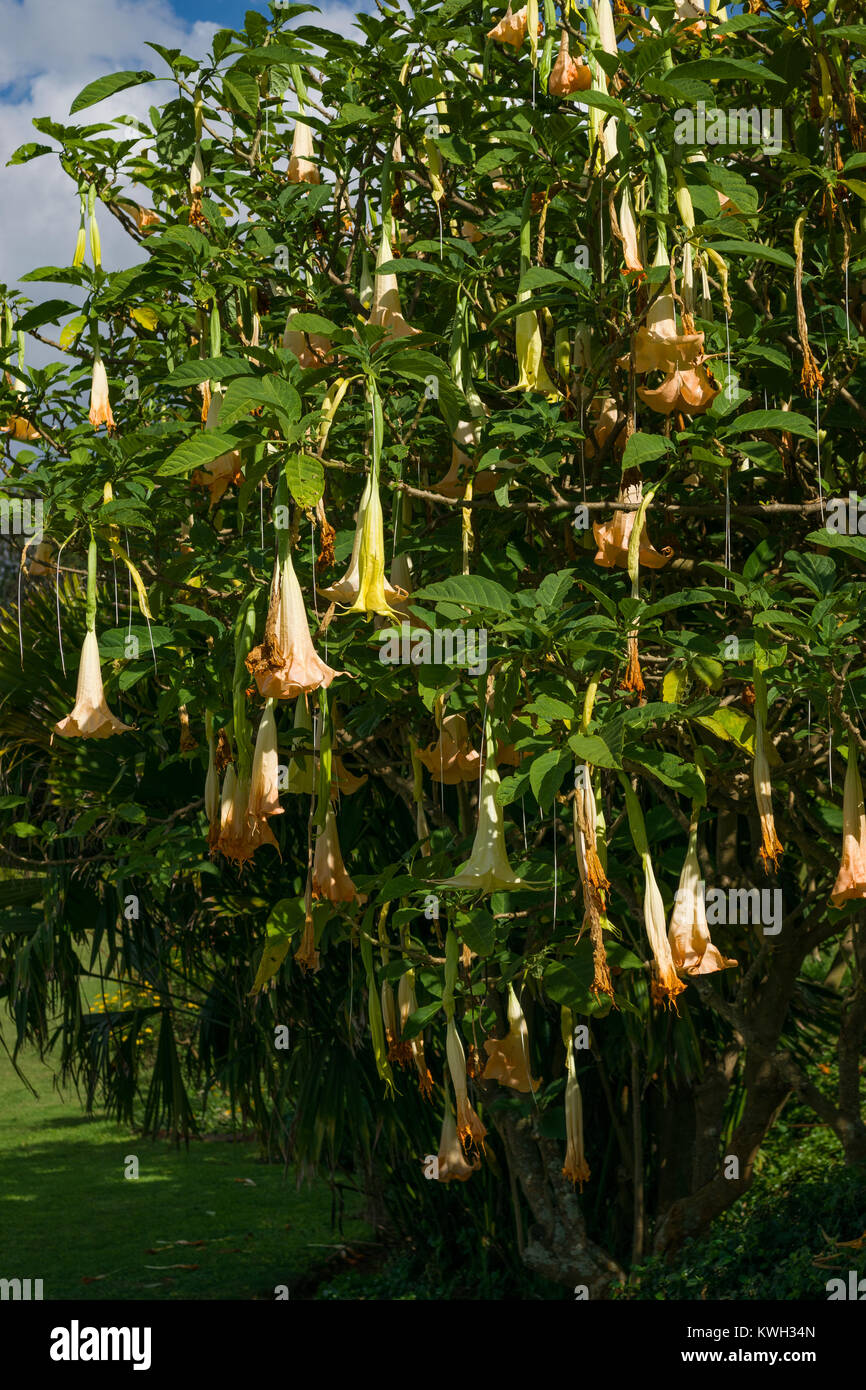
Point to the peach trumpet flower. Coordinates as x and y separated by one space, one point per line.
657 344
508 1057
575 1168
487 870
450 759
511 29
851 878
689 935
330 879
100 405
217 476
311 349
691 391
264 783
453 1165
568 76
386 310
470 1130
771 847
301 167
286 664
90 716
612 537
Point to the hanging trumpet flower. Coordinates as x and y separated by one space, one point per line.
568 76
407 1005
627 227
613 537
100 405
386 310
264 796
330 879
301 168
689 935
511 29
311 349
575 1168
90 716
286 664
658 346
452 1163
666 985
690 391
851 879
508 1057
450 759
224 471
528 341
487 870
470 1129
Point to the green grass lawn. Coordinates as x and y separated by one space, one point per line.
212 1222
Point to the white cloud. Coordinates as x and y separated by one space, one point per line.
51 49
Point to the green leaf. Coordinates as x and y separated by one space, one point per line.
554 587
306 478
202 449
641 448
851 545
711 69
24 830
669 769
592 749
197 370
756 250
478 930
106 86
241 91
473 590
772 420
417 1021
128 810
546 773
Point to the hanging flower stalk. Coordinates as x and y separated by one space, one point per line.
666 985
90 716
689 934
771 847
422 829
470 1130
851 879
374 1008
575 1168
508 1057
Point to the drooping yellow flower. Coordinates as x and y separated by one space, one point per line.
487 870
90 716
470 1130
689 935
851 878
330 879
530 360
364 588
301 167
286 664
100 405
508 1057
453 1165
386 311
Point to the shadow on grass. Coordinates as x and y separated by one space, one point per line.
210 1223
